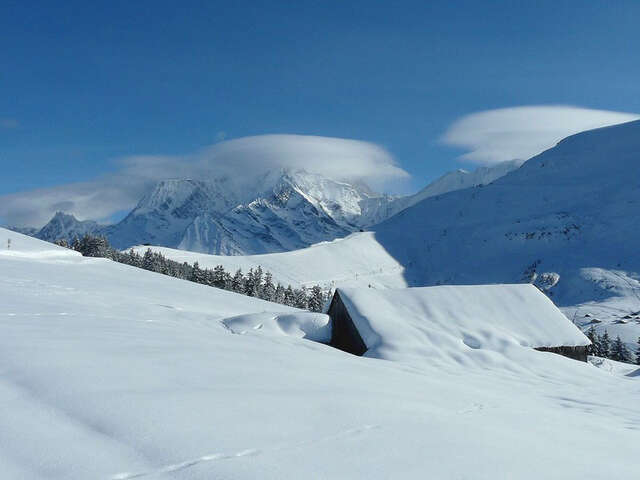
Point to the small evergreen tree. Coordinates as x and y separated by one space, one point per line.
316 300
638 353
63 243
237 284
147 260
197 275
594 348
219 276
605 344
251 284
300 299
279 296
619 351
289 297
268 288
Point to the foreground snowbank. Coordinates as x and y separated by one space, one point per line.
312 326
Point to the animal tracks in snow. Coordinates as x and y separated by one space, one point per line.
252 452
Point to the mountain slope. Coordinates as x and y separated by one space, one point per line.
289 213
65 226
281 211
114 372
567 220
357 260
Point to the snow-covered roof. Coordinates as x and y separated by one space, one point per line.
428 321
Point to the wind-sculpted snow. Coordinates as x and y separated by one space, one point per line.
112 372
312 326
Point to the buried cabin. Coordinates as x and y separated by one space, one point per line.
428 319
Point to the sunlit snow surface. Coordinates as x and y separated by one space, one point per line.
110 372
357 260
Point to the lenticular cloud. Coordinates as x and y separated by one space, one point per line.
520 133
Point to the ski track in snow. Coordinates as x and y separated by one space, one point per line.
251 452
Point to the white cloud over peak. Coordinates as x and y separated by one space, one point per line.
242 158
494 136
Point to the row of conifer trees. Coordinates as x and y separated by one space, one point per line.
255 283
603 346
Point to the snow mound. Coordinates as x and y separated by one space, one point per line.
451 322
309 325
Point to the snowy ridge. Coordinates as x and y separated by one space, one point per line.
14 244
357 260
561 220
280 211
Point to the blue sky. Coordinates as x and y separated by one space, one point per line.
86 82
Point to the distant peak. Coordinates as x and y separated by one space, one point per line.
63 215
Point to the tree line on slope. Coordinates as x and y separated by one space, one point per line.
603 346
255 283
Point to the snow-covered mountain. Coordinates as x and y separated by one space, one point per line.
281 211
566 220
65 226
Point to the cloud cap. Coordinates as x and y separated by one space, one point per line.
242 159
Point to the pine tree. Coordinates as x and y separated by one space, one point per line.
316 300
289 297
279 296
300 299
594 348
197 274
237 284
251 286
268 288
257 282
92 246
605 344
147 260
219 276
133 259
619 351
62 242
638 353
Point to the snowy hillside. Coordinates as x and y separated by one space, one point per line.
113 372
281 211
566 220
458 180
357 260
